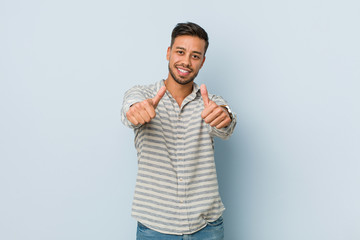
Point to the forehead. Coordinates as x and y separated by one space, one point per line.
190 43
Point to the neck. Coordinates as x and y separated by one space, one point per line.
178 91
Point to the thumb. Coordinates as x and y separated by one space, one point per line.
158 96
204 94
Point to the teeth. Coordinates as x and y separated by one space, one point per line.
182 70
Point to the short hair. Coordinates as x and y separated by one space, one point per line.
189 29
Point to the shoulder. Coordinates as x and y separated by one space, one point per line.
147 90
219 100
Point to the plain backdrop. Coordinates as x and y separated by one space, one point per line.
290 69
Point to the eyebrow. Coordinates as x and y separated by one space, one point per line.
182 48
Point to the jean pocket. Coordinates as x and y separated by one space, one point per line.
217 222
142 227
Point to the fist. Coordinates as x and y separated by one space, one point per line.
143 112
213 114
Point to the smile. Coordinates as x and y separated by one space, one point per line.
183 72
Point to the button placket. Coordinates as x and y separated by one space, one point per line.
182 178
179 150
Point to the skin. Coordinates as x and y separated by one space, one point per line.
186 57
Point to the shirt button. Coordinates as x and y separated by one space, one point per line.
182 201
180 179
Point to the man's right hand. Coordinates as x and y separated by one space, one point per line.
143 112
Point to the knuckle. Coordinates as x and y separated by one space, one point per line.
152 115
143 103
135 109
218 111
226 123
130 113
134 122
135 106
203 115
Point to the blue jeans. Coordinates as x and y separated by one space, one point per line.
212 231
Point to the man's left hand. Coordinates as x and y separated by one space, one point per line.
213 114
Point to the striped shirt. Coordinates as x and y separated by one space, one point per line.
176 187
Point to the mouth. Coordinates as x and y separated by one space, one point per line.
183 71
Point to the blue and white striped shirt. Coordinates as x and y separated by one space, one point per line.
176 188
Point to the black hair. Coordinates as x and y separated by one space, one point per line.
190 29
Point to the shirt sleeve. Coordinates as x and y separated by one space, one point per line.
226 132
133 95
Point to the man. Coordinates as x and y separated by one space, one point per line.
176 193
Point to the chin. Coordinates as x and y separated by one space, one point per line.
184 82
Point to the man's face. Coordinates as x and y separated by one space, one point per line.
185 57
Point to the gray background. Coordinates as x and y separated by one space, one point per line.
289 69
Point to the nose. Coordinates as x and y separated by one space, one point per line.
187 60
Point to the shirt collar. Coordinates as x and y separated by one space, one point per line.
195 92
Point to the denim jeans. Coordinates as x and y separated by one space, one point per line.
212 231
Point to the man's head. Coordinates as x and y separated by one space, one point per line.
186 55
189 29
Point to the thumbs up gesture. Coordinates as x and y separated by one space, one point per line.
213 114
143 112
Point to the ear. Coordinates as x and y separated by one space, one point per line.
203 62
168 53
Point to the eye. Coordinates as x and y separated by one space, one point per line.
196 56
180 52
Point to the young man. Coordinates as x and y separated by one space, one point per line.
175 121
